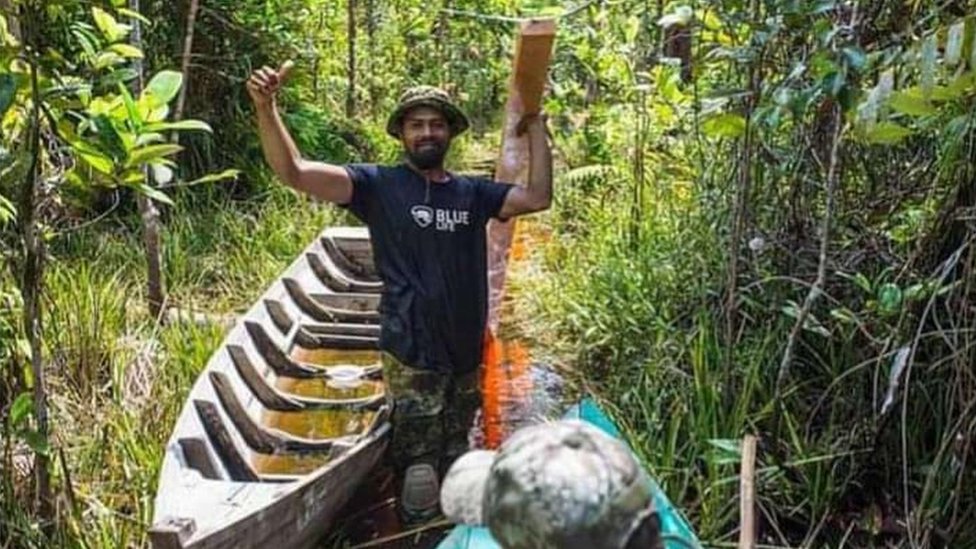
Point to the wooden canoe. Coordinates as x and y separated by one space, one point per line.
288 417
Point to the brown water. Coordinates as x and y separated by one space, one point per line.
318 424
291 464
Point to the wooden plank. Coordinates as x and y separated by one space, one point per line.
533 52
322 312
237 467
334 279
747 494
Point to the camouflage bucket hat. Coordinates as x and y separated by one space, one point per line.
557 485
427 96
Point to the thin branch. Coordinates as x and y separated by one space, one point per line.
816 289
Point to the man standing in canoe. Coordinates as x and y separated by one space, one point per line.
427 228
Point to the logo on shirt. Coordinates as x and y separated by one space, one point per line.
442 219
423 215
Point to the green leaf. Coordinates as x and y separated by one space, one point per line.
178 126
36 442
7 211
134 14
21 409
111 29
163 87
104 21
911 104
890 298
147 154
887 133
98 161
210 178
154 193
149 138
8 91
108 59
725 125
127 51
130 107
108 137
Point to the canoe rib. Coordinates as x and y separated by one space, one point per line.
328 273
262 439
310 340
279 316
273 399
324 313
237 467
347 263
276 358
197 457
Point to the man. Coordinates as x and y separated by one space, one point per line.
427 228
559 485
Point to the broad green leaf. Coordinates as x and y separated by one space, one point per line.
887 133
725 125
134 14
105 22
21 409
163 87
226 174
127 51
149 138
178 126
911 104
8 91
36 442
150 153
112 30
108 59
97 161
154 194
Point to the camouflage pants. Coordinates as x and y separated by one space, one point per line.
432 414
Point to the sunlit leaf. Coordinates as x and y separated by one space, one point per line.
21 409
149 138
150 153
7 211
163 87
725 125
887 133
226 174
154 194
133 14
130 107
197 125
111 29
910 104
108 59
127 51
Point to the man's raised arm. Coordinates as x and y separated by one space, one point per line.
537 194
324 181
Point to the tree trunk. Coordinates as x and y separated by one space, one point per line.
351 34
191 20
371 52
32 274
147 210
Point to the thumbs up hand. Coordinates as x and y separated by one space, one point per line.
264 83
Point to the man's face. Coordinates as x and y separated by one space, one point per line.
426 136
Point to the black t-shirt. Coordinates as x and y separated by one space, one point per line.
429 245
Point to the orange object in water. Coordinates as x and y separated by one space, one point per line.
505 384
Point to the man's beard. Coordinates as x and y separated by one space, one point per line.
427 157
